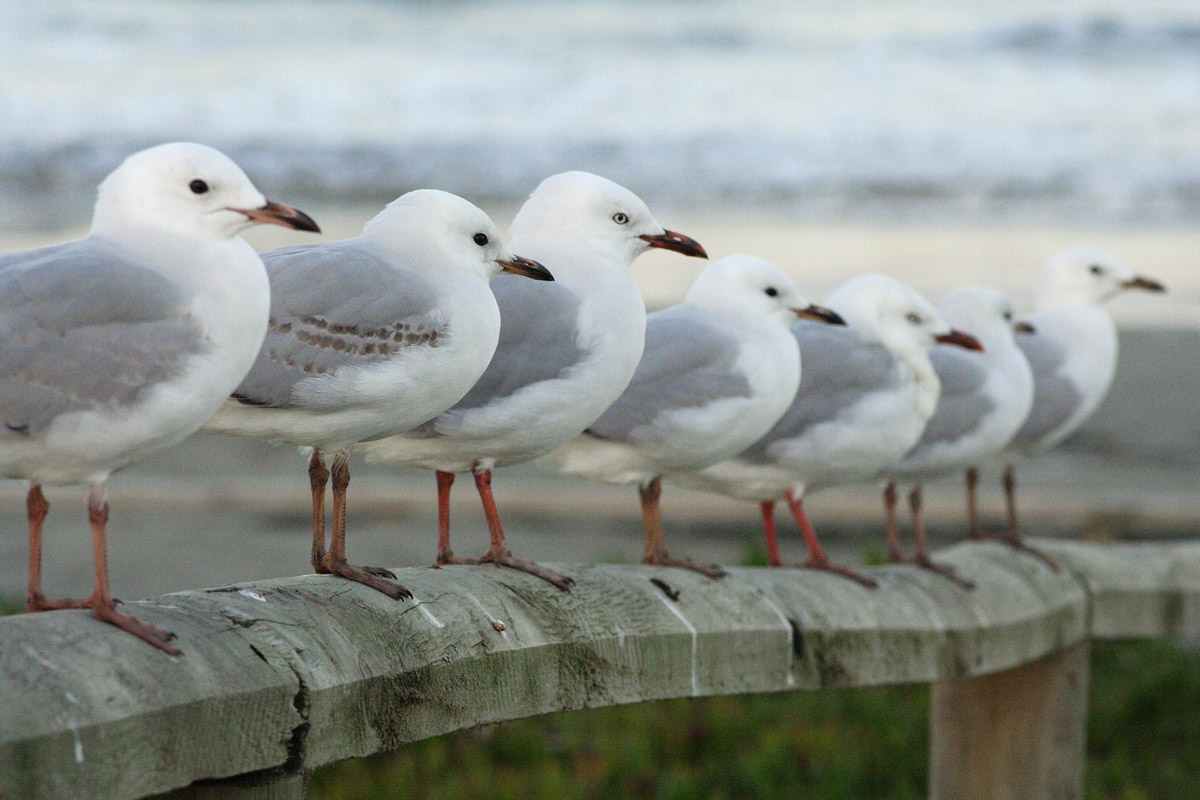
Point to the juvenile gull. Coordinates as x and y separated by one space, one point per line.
865 395
369 337
567 349
1073 355
985 398
126 341
717 372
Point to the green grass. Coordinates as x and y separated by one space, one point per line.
1143 742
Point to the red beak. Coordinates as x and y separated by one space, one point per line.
672 240
961 339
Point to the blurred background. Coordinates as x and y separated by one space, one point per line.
943 142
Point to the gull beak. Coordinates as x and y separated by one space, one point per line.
1024 327
670 240
819 314
1146 284
525 267
960 339
278 214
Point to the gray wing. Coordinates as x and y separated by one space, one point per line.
332 306
83 326
962 404
538 339
1055 398
837 370
688 361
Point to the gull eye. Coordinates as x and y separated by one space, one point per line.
481 239
914 318
621 218
1008 316
772 291
1096 269
198 186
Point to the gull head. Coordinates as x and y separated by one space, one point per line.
884 310
987 313
1085 276
589 209
189 190
757 288
440 230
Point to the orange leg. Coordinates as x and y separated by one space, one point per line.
335 560
318 477
921 558
36 509
1012 537
890 529
972 481
445 481
499 553
102 604
817 559
767 507
656 545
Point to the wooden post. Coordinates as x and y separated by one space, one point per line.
271 787
1017 734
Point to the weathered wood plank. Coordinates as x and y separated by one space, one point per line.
1012 735
293 673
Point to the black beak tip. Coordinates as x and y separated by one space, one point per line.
303 222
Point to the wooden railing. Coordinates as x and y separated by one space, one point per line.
283 676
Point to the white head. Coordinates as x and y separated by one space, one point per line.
442 230
580 206
756 288
987 313
1085 276
189 190
894 314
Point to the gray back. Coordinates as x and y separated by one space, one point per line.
83 327
1055 398
962 405
689 361
838 370
333 306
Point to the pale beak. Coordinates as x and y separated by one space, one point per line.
819 314
1024 327
671 240
1146 284
525 267
960 339
278 214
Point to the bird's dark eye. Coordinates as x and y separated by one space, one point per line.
620 218
1096 269
1008 316
481 239
914 318
772 291
198 186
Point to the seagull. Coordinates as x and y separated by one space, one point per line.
866 393
985 398
567 349
370 337
718 371
1073 357
126 341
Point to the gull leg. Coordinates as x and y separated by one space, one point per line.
318 476
890 529
921 558
1012 537
335 560
102 604
499 553
656 544
972 480
768 519
36 509
445 480
817 559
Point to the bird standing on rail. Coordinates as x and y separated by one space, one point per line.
717 372
985 398
370 337
1073 357
865 395
567 349
126 341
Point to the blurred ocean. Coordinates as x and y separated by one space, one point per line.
1088 112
